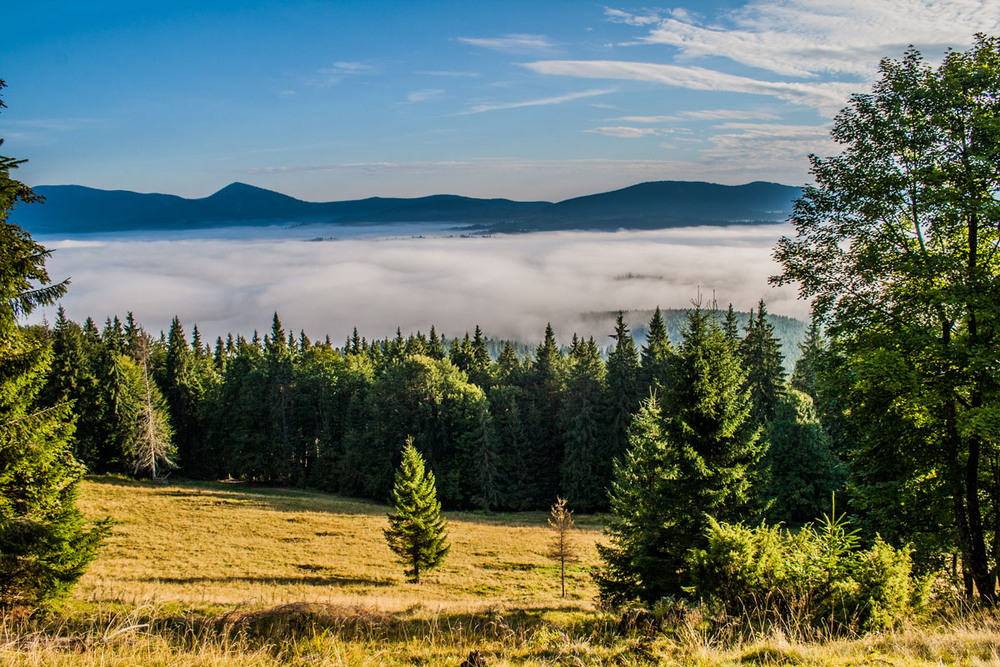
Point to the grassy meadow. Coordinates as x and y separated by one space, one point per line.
217 545
227 574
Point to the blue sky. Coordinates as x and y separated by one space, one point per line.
528 100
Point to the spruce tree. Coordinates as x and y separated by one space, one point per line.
638 537
623 395
480 365
183 392
71 380
731 327
508 365
761 356
45 545
586 464
654 366
696 457
416 531
435 350
807 365
545 385
803 471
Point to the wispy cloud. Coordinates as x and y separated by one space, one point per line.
45 131
340 70
423 95
625 132
451 73
620 16
826 96
514 44
726 114
807 38
545 101
648 119
703 114
761 146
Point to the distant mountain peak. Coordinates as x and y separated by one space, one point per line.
238 189
650 205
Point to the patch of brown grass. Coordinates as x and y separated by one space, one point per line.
209 545
223 575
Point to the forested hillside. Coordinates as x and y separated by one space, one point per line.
501 431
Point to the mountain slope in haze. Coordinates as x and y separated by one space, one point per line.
78 209
663 204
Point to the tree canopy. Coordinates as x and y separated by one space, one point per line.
897 245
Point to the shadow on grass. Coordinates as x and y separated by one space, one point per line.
281 499
303 619
273 498
307 580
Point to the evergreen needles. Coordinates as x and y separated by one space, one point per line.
416 531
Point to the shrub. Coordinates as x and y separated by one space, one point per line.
818 576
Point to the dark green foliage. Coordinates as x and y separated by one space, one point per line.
544 384
518 487
435 350
760 352
818 575
896 245
806 367
586 463
641 555
45 544
286 410
657 353
803 471
72 380
623 388
698 455
731 326
416 531
185 377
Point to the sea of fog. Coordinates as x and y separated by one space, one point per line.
327 279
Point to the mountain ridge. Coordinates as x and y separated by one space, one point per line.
653 204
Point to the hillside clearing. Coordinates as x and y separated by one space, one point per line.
209 545
229 575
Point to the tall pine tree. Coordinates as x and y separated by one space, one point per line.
45 544
696 457
623 389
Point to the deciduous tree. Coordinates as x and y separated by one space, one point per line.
562 548
897 245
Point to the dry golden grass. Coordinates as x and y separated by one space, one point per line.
224 575
217 544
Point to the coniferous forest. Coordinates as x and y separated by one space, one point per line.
504 433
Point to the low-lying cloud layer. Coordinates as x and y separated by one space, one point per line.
510 285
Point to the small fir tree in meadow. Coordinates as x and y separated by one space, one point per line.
562 548
416 531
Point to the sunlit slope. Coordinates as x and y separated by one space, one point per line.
226 544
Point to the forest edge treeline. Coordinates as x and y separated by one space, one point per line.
503 433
